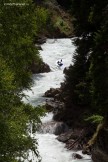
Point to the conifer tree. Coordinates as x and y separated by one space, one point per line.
86 79
99 66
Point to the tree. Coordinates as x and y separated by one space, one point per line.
84 79
17 30
99 66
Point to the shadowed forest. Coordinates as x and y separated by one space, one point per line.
24 25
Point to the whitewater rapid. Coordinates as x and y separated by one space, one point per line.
53 50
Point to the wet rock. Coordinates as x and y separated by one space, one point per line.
86 150
65 70
40 40
51 105
38 47
60 128
64 137
99 156
75 139
55 107
52 92
39 68
77 156
100 146
72 139
48 127
53 127
73 145
45 68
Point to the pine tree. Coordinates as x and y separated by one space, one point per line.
86 83
99 66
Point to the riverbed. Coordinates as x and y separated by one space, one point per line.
51 150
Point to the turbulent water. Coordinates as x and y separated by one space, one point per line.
50 149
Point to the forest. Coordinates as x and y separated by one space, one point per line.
86 81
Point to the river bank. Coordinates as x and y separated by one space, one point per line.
77 135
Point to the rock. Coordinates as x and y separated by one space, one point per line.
100 147
99 156
60 128
74 139
57 97
64 137
40 40
38 47
48 127
65 70
54 106
39 68
45 68
50 105
53 127
73 145
86 150
52 92
77 156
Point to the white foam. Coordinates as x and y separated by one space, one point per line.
50 149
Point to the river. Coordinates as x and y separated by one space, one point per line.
51 150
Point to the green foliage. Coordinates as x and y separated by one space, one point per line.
99 68
17 41
76 77
43 19
18 27
87 79
62 25
96 119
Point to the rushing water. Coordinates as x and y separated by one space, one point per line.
50 149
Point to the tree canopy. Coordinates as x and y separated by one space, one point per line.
87 78
18 28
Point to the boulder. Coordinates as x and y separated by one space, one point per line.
64 137
86 150
39 68
52 92
50 105
65 70
48 127
60 128
40 40
45 68
53 127
77 156
38 47
100 146
54 106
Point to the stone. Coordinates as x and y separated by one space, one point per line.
45 68
64 137
52 92
53 127
38 47
100 147
60 128
40 40
42 68
77 156
65 70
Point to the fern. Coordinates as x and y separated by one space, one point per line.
95 119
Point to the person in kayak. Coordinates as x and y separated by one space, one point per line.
60 63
